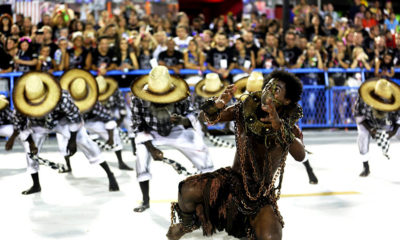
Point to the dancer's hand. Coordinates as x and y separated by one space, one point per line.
225 97
156 153
272 116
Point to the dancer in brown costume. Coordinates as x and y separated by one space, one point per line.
242 199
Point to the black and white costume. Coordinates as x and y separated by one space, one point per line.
64 119
151 122
387 123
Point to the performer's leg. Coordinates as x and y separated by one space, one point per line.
121 164
36 185
363 146
266 224
143 176
144 187
190 195
92 153
311 176
39 136
62 145
113 185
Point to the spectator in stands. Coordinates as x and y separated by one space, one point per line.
339 59
11 47
45 62
315 29
206 41
360 59
384 67
329 28
270 56
290 51
77 56
61 54
27 27
161 38
391 23
6 61
220 59
245 59
368 22
45 20
103 58
171 58
48 39
5 24
145 46
182 38
193 57
250 45
126 57
26 59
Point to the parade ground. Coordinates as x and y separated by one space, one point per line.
78 205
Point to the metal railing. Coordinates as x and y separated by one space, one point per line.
324 106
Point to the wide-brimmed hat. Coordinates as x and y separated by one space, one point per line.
3 102
36 94
252 83
160 87
381 94
107 86
82 86
210 86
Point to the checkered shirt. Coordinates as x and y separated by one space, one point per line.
144 120
361 109
116 101
98 113
6 116
65 110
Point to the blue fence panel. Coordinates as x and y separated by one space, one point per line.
322 107
315 108
342 104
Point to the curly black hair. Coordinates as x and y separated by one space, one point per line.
294 87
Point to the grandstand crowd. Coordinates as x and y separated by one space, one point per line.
367 36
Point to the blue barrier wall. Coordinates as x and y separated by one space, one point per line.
324 107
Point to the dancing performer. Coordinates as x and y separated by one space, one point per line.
160 109
6 118
254 83
210 86
242 199
98 120
377 116
43 108
113 99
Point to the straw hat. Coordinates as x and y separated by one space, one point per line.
210 86
3 102
253 83
160 87
107 86
36 94
382 94
82 86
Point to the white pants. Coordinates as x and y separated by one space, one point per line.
98 127
6 130
186 141
126 123
363 140
83 142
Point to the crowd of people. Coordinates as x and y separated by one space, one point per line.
366 37
163 113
